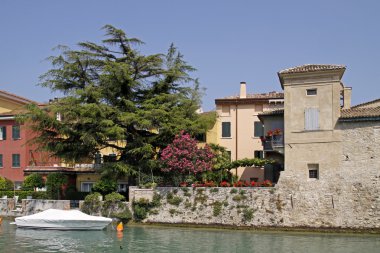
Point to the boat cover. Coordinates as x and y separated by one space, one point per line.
62 219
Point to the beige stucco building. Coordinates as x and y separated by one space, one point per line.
322 129
239 129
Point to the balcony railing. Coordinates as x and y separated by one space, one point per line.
273 143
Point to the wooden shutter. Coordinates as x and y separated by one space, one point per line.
311 119
226 129
258 129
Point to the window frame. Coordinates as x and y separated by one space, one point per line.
313 168
312 90
16 165
3 133
86 182
226 123
18 131
261 131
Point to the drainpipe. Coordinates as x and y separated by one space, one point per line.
236 135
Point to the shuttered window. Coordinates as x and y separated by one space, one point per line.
258 129
3 133
311 119
15 132
1 160
15 160
226 129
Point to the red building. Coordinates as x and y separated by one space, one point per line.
16 152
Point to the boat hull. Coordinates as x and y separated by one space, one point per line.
62 220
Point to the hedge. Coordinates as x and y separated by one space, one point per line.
24 194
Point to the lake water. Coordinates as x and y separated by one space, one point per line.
161 239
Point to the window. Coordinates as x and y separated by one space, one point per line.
122 187
109 158
1 161
15 132
259 154
86 186
311 92
311 119
313 171
226 129
200 137
3 132
258 129
15 160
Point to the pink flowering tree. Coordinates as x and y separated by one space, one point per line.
184 157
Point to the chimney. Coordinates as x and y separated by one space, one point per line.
347 97
243 90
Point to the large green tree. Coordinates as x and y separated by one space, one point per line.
114 92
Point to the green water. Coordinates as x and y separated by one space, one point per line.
157 239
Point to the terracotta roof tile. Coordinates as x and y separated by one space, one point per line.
270 95
311 68
360 113
25 100
373 102
273 112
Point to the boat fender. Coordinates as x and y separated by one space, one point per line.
120 227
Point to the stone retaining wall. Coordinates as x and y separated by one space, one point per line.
267 207
30 206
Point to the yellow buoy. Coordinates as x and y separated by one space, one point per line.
120 227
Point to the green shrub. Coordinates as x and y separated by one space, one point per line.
239 197
142 207
6 184
54 183
233 191
214 189
247 214
23 194
91 203
105 186
114 196
217 208
33 181
173 200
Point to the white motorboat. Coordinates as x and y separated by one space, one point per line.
62 220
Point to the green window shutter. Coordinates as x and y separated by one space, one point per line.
226 129
258 129
15 160
15 132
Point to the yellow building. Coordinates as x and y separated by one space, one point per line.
239 129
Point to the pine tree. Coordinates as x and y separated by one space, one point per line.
114 92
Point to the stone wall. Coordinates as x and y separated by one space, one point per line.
30 206
267 207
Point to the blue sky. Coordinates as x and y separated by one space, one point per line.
227 41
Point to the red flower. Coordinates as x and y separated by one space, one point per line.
225 184
253 183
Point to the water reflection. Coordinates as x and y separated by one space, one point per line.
159 239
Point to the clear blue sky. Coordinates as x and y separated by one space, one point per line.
227 41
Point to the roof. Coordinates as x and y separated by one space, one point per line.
14 97
270 95
274 112
360 114
60 169
312 68
251 98
373 103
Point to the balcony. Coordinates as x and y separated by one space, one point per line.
273 143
